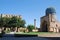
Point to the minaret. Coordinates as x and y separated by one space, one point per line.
35 23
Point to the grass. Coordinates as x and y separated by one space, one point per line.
35 33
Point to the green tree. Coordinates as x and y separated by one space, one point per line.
6 21
22 23
16 22
13 22
1 21
30 27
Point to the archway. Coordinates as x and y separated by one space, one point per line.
44 27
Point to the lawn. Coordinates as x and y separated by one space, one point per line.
35 33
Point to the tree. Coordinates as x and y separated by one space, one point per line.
30 27
16 22
22 23
1 21
11 22
6 21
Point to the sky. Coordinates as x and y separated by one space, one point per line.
29 9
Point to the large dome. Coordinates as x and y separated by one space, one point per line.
50 10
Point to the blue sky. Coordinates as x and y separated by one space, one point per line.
29 9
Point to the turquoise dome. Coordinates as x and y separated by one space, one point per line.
50 10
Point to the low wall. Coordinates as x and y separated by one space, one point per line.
17 35
25 35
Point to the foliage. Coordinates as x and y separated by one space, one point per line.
11 22
30 27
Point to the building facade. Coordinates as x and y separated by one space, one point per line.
49 22
9 16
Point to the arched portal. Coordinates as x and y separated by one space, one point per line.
44 27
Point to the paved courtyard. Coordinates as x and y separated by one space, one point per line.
49 35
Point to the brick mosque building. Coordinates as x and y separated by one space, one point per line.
49 22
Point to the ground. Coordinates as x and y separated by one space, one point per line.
42 34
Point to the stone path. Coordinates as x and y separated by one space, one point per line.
49 35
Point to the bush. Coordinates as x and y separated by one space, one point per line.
30 28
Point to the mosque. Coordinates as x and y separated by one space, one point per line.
49 22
